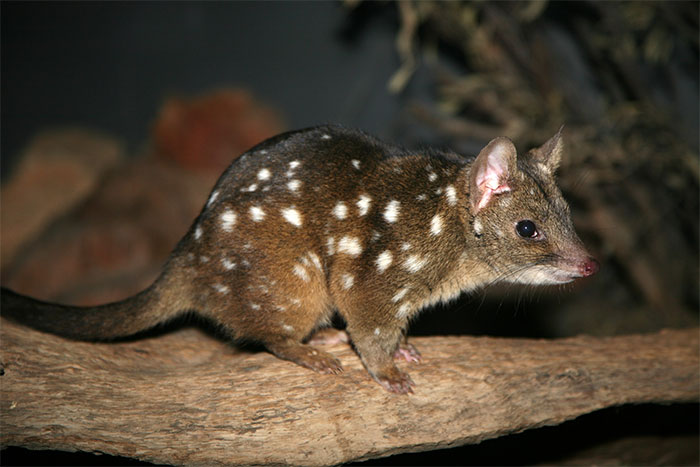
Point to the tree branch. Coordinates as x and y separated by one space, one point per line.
187 398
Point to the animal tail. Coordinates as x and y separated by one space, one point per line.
140 312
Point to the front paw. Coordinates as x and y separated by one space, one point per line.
408 352
396 381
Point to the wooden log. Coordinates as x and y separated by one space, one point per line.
188 398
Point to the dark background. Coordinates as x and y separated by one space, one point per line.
109 66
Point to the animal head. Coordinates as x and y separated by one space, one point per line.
520 218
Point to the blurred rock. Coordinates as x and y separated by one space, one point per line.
57 170
207 132
115 242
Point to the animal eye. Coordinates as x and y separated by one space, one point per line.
526 229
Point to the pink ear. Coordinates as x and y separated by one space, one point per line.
491 172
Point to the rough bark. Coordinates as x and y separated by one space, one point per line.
187 398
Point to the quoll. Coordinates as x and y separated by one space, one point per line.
329 219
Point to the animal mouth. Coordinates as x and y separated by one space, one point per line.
563 277
549 275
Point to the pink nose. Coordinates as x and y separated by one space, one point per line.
590 267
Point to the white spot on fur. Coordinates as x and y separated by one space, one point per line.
377 331
384 260
257 214
292 216
478 228
315 260
300 271
350 246
212 198
255 306
330 246
403 311
375 236
451 194
340 210
204 259
294 164
228 220
438 191
391 213
436 224
348 281
288 328
399 295
227 264
363 204
198 233
293 185
414 263
421 197
355 163
405 246
325 136
264 174
432 176
222 289
263 151
250 188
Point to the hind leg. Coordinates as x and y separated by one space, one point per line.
283 336
285 329
280 328
285 342
304 355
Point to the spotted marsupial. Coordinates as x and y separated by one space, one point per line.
330 220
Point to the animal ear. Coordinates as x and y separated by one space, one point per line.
491 172
548 155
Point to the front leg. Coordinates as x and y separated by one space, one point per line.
377 341
408 352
